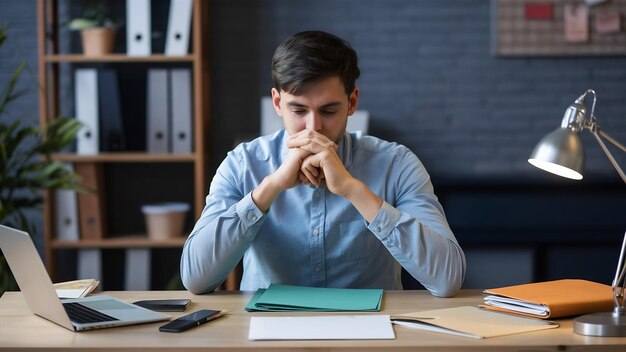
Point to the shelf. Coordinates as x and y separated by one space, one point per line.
106 170
135 241
79 58
122 157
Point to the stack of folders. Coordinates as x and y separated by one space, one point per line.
551 299
285 298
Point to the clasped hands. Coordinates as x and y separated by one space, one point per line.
312 158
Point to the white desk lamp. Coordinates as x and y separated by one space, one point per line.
560 152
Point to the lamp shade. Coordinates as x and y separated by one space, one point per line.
560 152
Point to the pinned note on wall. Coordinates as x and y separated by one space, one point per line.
608 22
538 11
576 23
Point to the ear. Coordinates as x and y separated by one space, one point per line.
276 101
353 101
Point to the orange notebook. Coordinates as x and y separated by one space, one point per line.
551 299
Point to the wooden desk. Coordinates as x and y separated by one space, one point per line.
19 328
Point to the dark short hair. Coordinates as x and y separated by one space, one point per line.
307 57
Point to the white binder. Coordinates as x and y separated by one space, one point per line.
66 213
157 111
90 264
138 28
137 269
178 27
86 102
181 110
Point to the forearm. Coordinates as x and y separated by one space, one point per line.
264 195
217 243
428 252
363 199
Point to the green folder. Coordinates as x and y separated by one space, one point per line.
288 298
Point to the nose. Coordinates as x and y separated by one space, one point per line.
313 122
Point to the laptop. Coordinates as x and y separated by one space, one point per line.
94 312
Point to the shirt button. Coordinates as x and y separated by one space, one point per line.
377 229
317 269
316 232
252 217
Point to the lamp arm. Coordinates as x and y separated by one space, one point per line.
595 130
612 140
619 284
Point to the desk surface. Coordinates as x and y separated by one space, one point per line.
19 328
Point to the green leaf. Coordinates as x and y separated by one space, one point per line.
8 94
81 23
59 134
3 36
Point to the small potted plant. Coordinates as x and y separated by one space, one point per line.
97 28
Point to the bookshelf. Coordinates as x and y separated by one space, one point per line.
52 63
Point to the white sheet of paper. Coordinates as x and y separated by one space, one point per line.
336 327
62 293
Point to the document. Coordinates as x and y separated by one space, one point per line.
75 288
551 299
471 322
340 327
280 298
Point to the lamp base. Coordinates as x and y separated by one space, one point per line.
600 324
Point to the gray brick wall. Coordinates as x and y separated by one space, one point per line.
428 80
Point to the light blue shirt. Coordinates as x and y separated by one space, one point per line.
312 237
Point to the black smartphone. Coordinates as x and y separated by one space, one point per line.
165 305
190 320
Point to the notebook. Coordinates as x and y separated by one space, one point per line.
79 314
281 298
551 299
471 322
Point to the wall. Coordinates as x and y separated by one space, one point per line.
21 46
429 82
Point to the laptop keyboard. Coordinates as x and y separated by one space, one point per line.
80 314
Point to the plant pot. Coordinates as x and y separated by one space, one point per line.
98 41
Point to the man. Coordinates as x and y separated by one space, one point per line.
313 205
